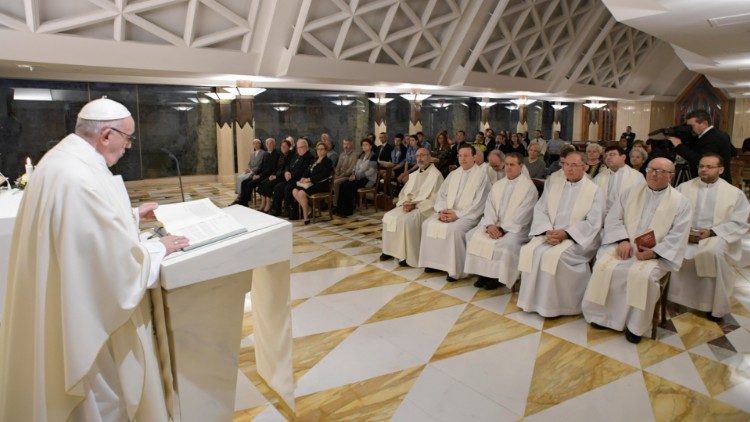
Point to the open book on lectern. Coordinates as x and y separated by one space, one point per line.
200 221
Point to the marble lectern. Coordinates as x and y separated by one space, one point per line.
198 317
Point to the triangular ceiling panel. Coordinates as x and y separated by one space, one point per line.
208 21
13 8
101 30
170 18
50 10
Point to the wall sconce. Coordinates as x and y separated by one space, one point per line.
342 102
523 101
557 106
281 108
594 105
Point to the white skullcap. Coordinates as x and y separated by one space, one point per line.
103 109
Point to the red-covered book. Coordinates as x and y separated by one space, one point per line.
646 240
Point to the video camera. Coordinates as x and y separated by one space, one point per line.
683 131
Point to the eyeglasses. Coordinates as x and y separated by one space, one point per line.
572 165
128 138
658 172
708 167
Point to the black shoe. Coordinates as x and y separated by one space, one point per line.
597 326
492 284
385 257
481 282
431 270
403 263
632 337
275 213
712 318
450 279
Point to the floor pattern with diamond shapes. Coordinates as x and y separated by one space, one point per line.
376 341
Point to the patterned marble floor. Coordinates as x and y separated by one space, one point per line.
375 341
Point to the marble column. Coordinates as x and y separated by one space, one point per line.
225 155
245 124
415 117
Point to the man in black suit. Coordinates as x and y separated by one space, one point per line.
629 135
385 148
709 139
302 160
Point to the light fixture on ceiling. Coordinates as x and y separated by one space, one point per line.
485 103
28 67
594 105
415 97
342 102
219 96
32 94
512 107
243 91
380 100
557 106
441 104
523 101
183 108
281 108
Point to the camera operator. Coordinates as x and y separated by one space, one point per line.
709 139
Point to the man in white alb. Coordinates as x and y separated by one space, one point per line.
624 288
459 207
555 263
492 247
708 274
402 226
495 162
618 176
77 338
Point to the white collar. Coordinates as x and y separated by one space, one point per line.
704 132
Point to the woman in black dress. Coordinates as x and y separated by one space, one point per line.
265 189
316 179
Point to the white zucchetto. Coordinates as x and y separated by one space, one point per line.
103 109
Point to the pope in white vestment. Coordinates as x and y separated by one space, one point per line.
76 341
402 226
459 207
624 289
567 220
618 176
706 279
492 247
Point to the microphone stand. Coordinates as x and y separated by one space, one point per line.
179 175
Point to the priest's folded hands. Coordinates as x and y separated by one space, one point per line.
555 237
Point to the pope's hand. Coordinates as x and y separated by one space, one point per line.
174 243
146 210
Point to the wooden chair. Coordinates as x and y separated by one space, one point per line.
362 197
315 200
660 310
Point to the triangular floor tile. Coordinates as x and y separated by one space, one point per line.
311 283
367 277
680 369
705 351
464 293
694 330
619 348
595 336
435 282
309 350
740 339
532 319
495 304
716 376
478 328
671 339
331 259
301 258
410 273
304 245
652 352
631 404
564 370
670 400
737 396
377 397
501 372
412 300
575 331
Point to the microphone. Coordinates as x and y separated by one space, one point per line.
177 164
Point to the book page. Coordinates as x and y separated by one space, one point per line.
186 213
200 221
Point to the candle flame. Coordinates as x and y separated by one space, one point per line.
28 161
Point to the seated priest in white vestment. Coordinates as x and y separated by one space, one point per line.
706 279
459 207
492 247
618 176
567 220
624 285
77 341
402 226
495 163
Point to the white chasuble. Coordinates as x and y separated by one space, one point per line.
74 343
615 183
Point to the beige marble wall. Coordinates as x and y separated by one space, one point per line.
225 153
741 121
245 136
577 123
636 114
662 115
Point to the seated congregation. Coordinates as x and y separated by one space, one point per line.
606 245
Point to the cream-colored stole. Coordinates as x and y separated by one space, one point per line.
638 273
581 208
439 230
726 196
481 244
627 180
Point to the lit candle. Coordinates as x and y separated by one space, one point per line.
29 167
